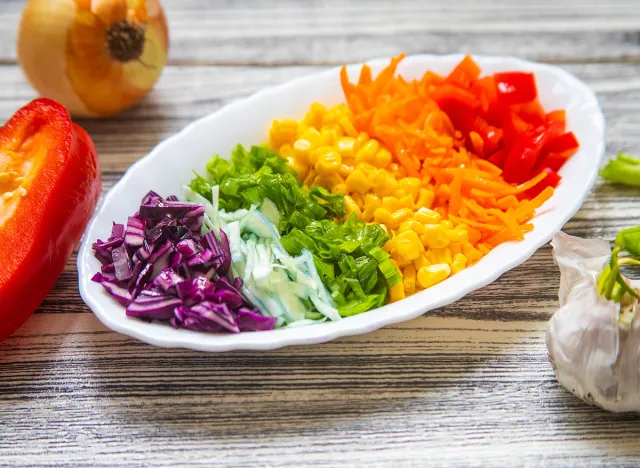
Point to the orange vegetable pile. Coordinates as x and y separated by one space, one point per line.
400 161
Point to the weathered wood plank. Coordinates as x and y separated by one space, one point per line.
437 389
467 385
322 32
184 94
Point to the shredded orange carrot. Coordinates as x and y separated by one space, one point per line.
404 117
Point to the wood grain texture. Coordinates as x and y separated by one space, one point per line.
335 31
467 385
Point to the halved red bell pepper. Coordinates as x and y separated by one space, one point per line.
49 186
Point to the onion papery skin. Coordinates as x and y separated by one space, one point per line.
96 57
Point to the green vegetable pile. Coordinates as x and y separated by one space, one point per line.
347 252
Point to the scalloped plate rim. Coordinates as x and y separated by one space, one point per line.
363 323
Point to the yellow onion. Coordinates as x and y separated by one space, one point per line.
96 57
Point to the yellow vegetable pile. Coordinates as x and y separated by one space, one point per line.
325 149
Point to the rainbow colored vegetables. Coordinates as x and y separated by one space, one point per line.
347 209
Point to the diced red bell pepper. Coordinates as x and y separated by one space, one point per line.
516 87
498 158
465 72
552 180
50 183
553 161
491 135
566 144
531 112
524 155
512 127
527 151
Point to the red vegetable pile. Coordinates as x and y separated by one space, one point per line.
502 120
161 268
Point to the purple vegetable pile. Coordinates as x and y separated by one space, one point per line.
160 268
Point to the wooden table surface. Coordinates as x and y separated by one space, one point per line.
468 384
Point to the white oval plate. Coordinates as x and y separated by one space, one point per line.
247 121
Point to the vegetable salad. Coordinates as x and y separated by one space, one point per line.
347 209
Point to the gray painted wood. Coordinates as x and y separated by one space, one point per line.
467 385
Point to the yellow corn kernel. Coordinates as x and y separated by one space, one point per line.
409 279
455 247
407 245
345 170
387 247
421 261
371 204
347 126
315 115
446 225
458 235
312 135
301 150
399 193
328 162
459 263
316 154
382 158
396 293
340 188
427 216
425 198
384 182
358 199
471 252
401 215
328 180
282 131
407 202
411 185
367 152
367 168
411 225
362 138
433 274
351 206
347 146
382 216
298 166
329 134
434 237
484 248
402 262
442 255
286 151
358 182
391 203
331 116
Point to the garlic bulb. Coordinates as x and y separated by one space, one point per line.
593 342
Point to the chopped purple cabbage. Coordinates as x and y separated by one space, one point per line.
160 268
